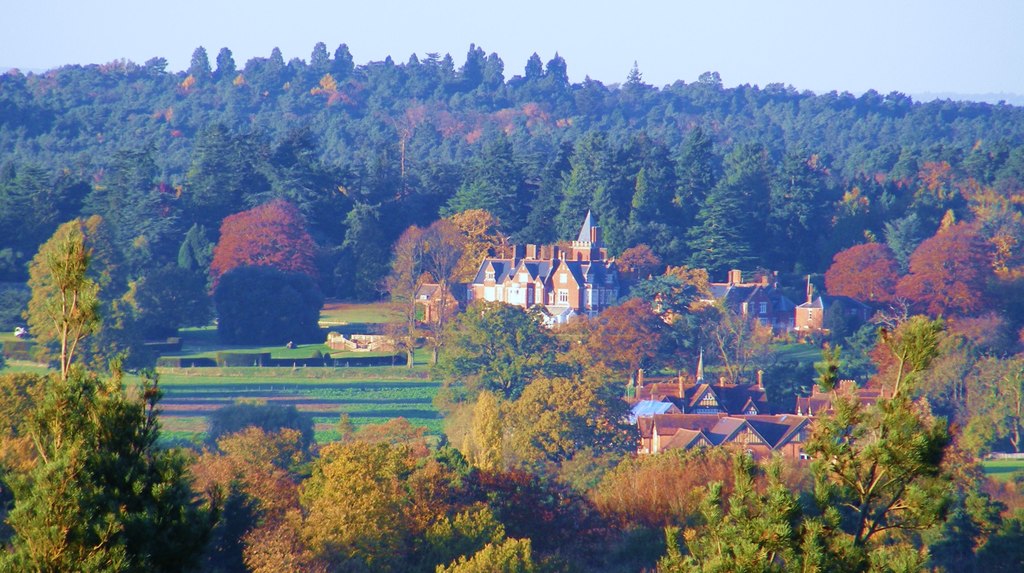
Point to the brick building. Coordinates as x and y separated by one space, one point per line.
580 279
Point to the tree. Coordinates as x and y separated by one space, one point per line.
403 283
496 347
226 68
865 272
628 337
65 304
508 556
996 404
224 169
168 298
697 172
555 418
878 469
949 273
754 531
741 344
262 305
200 65
272 235
355 505
196 251
480 231
101 496
443 246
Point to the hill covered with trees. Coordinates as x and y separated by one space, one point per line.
783 179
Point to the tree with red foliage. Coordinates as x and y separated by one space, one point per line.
863 272
949 273
271 235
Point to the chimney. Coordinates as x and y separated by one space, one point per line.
640 376
735 277
760 379
680 381
764 279
531 251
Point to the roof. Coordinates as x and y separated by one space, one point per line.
585 233
825 301
646 408
775 431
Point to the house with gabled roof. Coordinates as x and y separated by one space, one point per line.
760 299
821 402
758 435
698 396
580 280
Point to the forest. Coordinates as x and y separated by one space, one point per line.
136 192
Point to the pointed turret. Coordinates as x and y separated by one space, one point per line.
586 230
700 367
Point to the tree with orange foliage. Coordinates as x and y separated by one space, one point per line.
864 272
628 337
949 273
271 235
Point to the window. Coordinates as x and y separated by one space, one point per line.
490 275
523 277
563 295
563 278
763 307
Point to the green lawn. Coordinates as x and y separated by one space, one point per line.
1002 470
335 313
805 353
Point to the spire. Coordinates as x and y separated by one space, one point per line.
585 235
810 289
700 367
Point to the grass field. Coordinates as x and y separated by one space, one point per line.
1002 469
186 406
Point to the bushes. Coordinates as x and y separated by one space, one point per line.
269 418
261 305
18 350
243 359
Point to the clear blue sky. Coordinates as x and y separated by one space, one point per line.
912 46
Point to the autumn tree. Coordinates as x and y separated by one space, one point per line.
403 283
443 246
628 337
482 238
271 235
949 273
556 418
865 272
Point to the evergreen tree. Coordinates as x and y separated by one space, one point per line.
101 495
200 66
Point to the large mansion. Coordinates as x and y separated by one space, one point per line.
579 280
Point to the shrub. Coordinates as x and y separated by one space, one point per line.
268 417
261 305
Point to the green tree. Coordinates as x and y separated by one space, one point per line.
101 496
496 347
996 404
729 223
754 531
200 65
697 172
65 304
262 305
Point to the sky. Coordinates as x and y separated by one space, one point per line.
912 46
